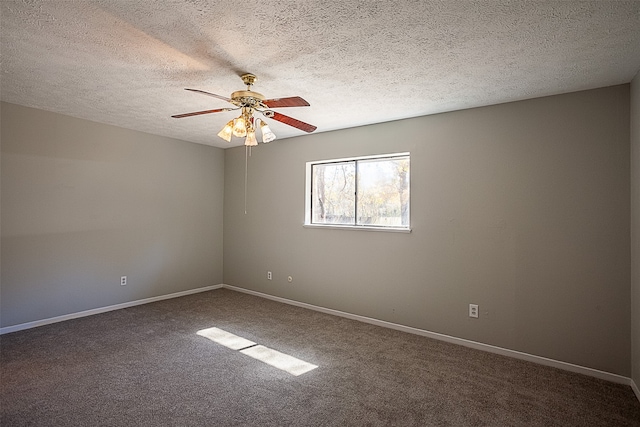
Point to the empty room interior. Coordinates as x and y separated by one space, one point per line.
358 213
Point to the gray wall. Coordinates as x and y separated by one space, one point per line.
522 208
635 228
85 203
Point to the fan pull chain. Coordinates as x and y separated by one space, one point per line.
246 173
247 154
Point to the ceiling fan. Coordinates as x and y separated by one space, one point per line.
250 102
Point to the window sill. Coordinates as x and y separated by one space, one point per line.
358 228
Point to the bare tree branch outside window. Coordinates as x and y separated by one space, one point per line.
382 197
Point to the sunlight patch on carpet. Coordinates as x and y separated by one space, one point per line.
225 338
264 354
279 360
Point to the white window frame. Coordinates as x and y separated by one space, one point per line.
308 195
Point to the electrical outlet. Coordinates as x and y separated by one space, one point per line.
269 275
123 280
473 310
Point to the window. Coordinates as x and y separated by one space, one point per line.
365 192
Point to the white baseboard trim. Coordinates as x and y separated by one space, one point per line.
85 313
460 341
635 389
442 337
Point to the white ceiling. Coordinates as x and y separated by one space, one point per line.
127 62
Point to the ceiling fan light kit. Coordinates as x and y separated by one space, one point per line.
249 103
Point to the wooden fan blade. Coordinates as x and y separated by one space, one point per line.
294 101
293 122
197 113
224 98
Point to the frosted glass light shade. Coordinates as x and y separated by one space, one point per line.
267 133
239 127
251 140
227 131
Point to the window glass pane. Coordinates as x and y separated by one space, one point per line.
383 192
333 193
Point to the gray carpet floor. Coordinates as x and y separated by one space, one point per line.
147 366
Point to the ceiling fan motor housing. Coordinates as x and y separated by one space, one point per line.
247 98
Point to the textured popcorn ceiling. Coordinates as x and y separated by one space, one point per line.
127 62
